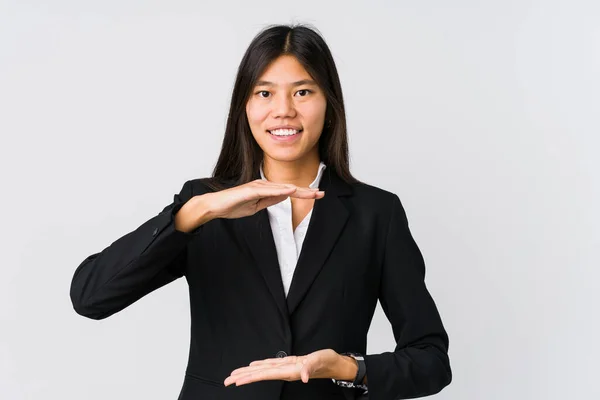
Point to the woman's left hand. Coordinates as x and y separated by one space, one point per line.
319 364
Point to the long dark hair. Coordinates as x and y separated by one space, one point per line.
241 156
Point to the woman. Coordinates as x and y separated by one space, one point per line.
284 252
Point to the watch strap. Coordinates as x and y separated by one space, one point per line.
360 374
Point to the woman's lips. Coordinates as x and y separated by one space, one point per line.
285 138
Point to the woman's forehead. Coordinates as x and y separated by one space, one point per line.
285 70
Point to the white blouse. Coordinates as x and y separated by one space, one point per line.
287 242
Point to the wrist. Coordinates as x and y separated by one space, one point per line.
192 214
203 212
346 368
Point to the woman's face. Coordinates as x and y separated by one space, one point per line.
285 95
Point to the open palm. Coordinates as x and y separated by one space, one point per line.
292 368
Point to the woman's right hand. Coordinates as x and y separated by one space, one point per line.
237 202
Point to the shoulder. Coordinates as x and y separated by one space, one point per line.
204 185
377 204
372 203
364 192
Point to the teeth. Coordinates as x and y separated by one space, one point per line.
284 132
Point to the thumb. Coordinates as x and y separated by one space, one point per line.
304 374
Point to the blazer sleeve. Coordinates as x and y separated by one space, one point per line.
134 265
419 365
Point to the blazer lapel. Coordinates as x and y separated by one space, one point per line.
326 223
259 237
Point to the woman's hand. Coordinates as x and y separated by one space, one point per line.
237 202
319 364
247 199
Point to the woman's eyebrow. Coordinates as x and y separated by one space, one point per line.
297 83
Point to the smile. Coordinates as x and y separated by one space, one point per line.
284 132
287 136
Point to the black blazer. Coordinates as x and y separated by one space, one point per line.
358 249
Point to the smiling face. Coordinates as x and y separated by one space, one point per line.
286 96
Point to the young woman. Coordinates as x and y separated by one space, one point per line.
285 253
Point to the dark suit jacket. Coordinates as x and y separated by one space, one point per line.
358 249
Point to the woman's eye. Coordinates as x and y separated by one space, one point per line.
264 93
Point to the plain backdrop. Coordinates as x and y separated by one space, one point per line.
483 116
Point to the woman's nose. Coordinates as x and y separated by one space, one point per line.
283 106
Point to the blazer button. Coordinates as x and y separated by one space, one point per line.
281 354
155 232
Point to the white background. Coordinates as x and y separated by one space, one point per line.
483 116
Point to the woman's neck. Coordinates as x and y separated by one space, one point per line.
298 172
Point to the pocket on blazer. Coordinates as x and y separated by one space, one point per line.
196 388
203 379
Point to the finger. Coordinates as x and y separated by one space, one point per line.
307 189
276 361
305 374
247 377
308 195
263 182
261 367
267 191
257 193
252 368
284 185
270 200
247 370
258 375
272 363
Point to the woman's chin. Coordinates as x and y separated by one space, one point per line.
284 156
